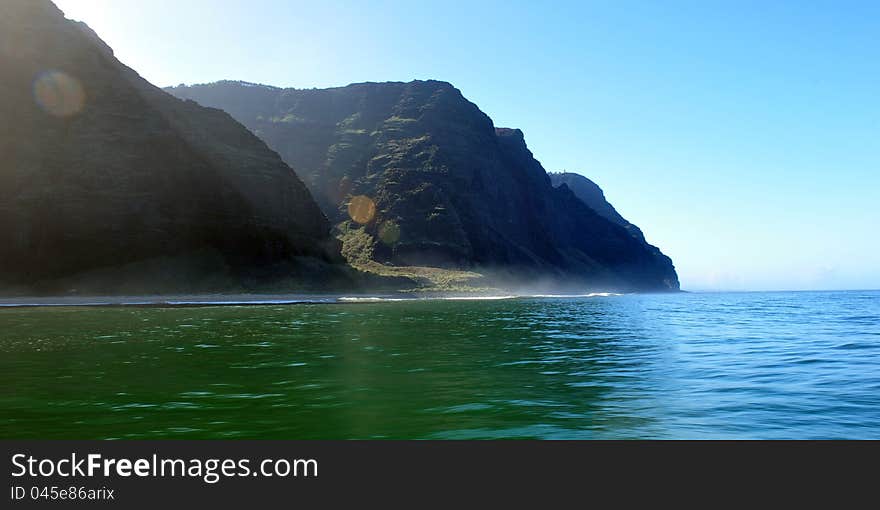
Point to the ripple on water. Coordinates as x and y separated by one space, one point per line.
762 365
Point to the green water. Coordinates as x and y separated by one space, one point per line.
601 367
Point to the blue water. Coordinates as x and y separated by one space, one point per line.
801 365
740 365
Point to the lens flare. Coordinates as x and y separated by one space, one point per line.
59 94
362 209
389 232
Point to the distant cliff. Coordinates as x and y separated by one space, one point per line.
106 177
591 194
415 174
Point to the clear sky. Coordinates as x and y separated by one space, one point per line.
742 137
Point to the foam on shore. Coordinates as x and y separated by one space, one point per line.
248 300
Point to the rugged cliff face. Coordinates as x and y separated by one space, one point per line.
591 194
415 174
99 170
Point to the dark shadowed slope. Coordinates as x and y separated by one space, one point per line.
591 194
103 175
415 174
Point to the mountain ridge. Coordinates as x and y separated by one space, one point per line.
591 194
105 174
456 191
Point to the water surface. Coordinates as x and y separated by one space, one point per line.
737 365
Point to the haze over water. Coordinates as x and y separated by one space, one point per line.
735 365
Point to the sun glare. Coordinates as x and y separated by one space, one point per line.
89 11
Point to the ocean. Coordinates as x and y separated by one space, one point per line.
762 365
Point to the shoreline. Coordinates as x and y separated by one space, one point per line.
210 300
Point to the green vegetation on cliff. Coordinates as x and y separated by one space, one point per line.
446 189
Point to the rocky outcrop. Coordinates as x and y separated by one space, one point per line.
415 174
101 170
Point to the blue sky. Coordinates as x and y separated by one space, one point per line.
743 137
